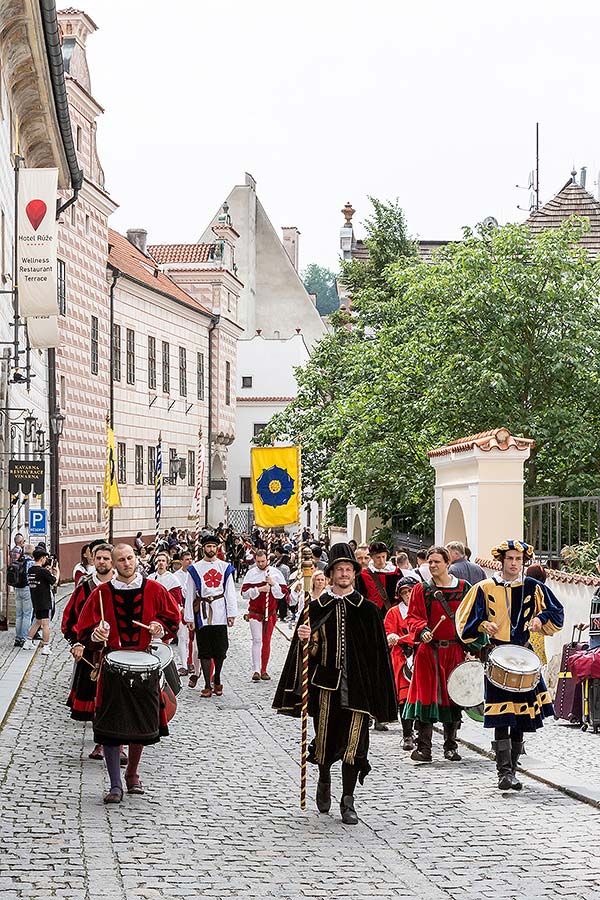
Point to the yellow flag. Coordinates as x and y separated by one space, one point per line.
111 488
276 485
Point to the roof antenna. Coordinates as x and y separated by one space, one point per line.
533 183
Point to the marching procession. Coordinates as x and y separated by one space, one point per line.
370 644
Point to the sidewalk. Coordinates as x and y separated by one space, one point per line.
559 755
16 662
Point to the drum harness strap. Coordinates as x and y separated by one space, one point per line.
438 595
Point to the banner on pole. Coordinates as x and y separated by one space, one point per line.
275 485
36 242
111 488
43 331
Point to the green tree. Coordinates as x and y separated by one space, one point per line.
500 329
321 281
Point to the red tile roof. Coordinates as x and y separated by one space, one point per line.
131 261
496 439
183 253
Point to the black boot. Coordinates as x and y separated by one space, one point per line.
450 743
517 748
379 726
323 796
347 810
407 734
506 779
424 737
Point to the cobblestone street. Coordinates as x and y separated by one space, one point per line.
221 819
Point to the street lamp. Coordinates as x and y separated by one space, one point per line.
41 440
29 429
57 422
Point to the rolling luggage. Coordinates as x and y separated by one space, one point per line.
568 703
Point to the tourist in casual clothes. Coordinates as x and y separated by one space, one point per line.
23 607
422 570
41 579
461 566
16 551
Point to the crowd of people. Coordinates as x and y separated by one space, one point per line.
383 637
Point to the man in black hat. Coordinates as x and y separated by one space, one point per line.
211 605
350 680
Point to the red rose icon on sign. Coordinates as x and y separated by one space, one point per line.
213 578
36 210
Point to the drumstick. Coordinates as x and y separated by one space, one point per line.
101 609
437 624
141 625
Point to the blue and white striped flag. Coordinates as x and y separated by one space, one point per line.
158 477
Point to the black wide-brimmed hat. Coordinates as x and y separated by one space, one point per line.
210 539
341 553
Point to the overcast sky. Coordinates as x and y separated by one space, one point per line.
323 102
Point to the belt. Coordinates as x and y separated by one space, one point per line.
444 643
206 610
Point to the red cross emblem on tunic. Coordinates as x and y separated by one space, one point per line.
213 578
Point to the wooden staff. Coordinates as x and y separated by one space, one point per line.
268 593
306 576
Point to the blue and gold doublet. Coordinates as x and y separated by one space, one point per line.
511 606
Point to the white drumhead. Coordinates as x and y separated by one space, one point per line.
515 659
132 659
164 653
466 683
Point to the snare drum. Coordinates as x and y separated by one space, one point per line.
167 665
513 668
128 711
466 684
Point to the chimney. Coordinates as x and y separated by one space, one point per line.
582 176
138 237
291 241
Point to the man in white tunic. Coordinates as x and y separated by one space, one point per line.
264 586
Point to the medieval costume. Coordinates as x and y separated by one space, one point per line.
262 613
511 606
350 680
428 701
379 585
210 601
82 696
396 627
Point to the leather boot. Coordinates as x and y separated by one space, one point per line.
506 779
323 796
407 734
450 743
347 810
424 737
517 748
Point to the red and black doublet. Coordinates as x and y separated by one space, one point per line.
379 587
350 679
82 696
428 699
148 603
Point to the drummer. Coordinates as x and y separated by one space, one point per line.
431 614
508 607
108 618
400 642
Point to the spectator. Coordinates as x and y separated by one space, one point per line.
84 566
422 569
16 551
41 579
404 566
317 554
138 542
23 606
461 567
282 562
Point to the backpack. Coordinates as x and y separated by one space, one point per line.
16 573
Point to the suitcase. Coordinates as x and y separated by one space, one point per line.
568 702
591 705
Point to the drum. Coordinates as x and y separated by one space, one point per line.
128 712
167 665
466 684
407 668
513 668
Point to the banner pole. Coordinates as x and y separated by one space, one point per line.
306 576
